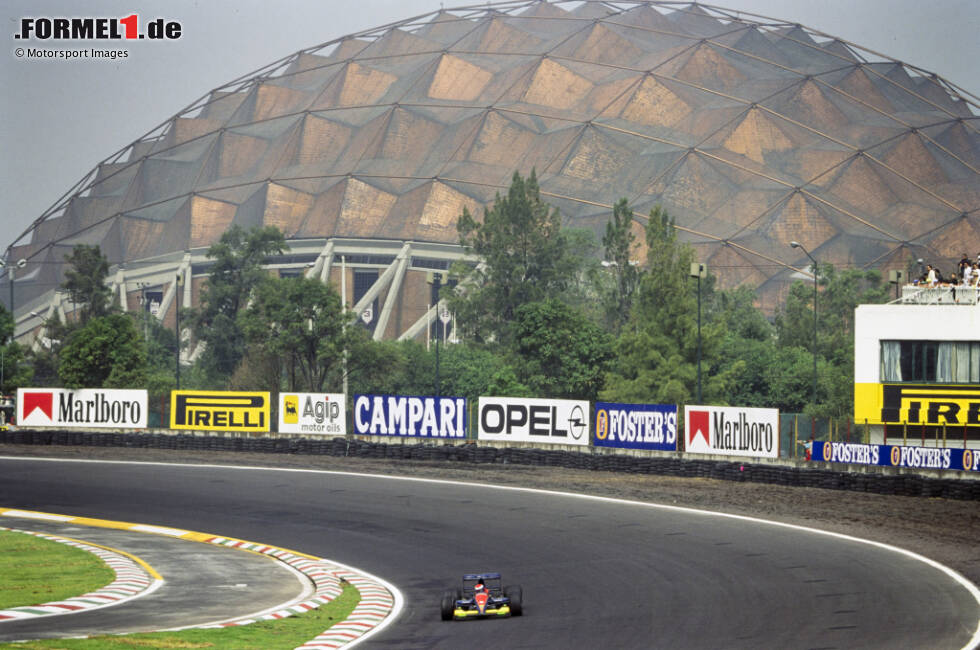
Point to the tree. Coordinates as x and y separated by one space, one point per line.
656 353
524 255
15 372
239 256
842 292
105 352
560 352
85 281
301 323
749 341
619 244
160 344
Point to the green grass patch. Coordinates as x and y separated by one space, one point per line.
36 571
285 633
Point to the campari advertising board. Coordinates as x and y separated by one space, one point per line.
732 431
410 416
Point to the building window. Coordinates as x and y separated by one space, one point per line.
941 362
363 281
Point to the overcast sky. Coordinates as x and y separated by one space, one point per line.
60 118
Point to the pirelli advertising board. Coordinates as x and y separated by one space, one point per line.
929 404
216 410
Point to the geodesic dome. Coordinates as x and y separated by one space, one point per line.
750 131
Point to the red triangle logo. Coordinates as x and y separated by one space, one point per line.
42 401
698 423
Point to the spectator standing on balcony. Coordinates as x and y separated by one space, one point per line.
931 278
964 264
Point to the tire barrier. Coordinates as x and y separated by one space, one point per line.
912 485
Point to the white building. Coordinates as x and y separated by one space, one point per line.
917 368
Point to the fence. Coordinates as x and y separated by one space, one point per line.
796 429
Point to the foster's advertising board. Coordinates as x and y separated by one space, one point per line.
732 431
965 460
636 426
86 407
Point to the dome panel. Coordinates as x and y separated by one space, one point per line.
208 220
750 133
458 79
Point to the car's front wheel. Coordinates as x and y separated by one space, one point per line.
448 605
516 595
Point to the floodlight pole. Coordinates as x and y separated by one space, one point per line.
11 270
437 283
179 283
343 309
802 248
699 271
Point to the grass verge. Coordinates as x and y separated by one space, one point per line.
36 570
285 633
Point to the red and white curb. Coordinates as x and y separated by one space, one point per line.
376 605
378 599
379 605
132 581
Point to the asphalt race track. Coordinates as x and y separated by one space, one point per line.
595 573
204 585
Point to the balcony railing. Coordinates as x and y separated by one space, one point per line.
913 294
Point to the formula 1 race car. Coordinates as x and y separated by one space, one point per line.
480 596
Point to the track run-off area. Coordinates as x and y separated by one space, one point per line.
596 571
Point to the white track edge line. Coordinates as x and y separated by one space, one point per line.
971 588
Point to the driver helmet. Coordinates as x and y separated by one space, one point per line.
478 587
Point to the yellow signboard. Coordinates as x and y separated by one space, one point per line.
932 404
216 410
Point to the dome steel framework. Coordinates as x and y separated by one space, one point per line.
751 132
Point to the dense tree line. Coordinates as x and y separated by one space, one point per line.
541 315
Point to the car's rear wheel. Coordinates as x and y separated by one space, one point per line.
516 595
448 605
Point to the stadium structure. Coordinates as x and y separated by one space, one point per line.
752 132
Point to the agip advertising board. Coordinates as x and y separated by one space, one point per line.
86 407
219 410
525 419
732 431
317 413
636 426
410 416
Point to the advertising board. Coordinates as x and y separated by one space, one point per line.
219 410
967 460
636 426
316 413
932 404
732 431
410 416
85 407
525 419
